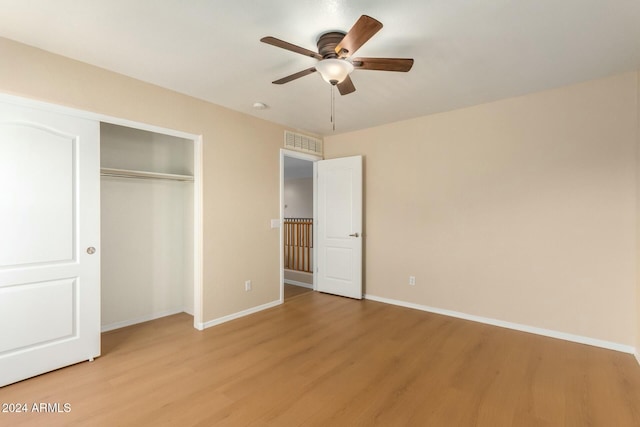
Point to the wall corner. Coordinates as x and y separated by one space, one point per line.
637 318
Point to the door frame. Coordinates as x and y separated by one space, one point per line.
302 156
198 237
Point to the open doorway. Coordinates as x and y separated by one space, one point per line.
297 219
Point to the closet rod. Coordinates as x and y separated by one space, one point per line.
126 173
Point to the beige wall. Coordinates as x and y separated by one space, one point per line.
241 164
522 210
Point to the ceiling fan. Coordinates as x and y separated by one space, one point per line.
334 49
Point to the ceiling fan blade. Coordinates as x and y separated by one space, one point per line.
383 64
346 87
362 30
292 47
295 76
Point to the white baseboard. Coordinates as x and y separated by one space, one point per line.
124 323
237 315
296 283
637 357
509 325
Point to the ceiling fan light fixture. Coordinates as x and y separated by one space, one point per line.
333 70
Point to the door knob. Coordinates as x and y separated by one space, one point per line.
354 235
91 250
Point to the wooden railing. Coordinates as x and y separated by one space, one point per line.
298 242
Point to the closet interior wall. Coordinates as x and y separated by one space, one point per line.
146 227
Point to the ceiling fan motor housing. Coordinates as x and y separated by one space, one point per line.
327 43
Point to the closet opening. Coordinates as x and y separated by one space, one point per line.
149 194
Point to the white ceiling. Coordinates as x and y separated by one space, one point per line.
466 52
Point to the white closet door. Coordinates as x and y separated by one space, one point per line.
49 241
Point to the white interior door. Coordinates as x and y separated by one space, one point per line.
339 241
49 221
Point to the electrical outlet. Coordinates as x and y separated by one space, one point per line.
247 285
412 280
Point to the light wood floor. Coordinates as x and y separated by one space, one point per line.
328 361
291 291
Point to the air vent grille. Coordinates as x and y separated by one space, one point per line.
299 142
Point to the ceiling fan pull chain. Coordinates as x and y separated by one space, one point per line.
333 107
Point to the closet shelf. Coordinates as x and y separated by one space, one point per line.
126 173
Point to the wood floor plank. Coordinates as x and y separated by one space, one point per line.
322 360
291 291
